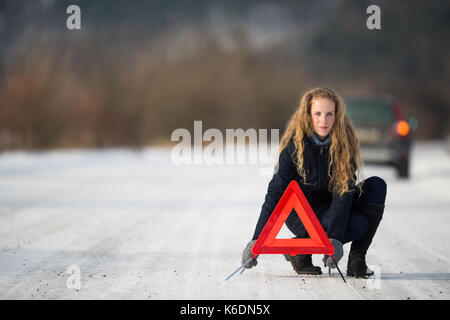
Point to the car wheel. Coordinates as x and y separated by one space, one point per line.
403 168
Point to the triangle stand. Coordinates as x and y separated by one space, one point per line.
267 243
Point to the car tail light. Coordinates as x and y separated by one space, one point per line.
402 128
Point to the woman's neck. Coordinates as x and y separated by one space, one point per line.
320 140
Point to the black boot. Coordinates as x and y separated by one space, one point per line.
302 264
356 266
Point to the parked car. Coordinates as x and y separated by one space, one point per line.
383 132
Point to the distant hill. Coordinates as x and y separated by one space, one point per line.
138 69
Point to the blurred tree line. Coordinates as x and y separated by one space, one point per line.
137 70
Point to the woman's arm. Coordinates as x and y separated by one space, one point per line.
340 210
277 186
339 215
338 220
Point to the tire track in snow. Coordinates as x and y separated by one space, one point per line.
97 252
200 266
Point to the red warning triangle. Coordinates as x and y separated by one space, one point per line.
293 198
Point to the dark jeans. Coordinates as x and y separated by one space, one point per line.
374 190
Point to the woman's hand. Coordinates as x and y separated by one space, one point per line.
247 255
338 253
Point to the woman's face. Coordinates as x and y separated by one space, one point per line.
322 114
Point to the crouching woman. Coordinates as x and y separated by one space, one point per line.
319 150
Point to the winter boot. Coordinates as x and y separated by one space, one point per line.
302 264
356 266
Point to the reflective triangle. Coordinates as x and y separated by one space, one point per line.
293 198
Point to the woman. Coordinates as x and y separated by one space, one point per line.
320 150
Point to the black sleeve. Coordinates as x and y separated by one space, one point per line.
339 215
280 180
340 211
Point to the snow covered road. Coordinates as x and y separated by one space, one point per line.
132 225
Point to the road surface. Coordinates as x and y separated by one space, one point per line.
124 224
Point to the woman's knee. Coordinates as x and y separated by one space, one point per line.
375 189
376 183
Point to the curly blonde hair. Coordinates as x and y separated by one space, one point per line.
344 164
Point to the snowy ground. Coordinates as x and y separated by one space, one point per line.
139 227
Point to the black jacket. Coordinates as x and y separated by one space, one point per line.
315 162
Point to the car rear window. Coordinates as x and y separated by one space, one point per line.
370 112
